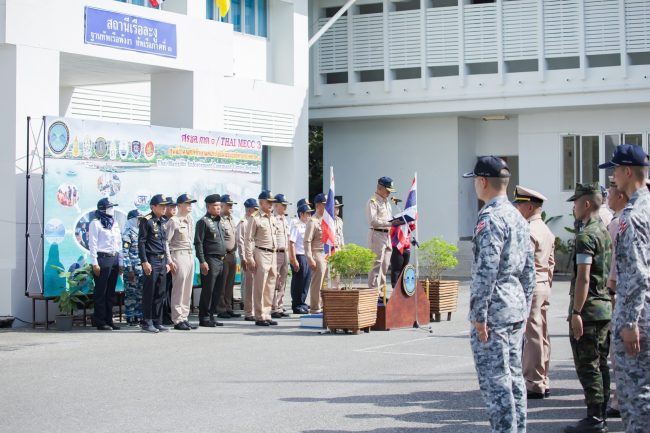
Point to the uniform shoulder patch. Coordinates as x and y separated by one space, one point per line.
147 216
126 245
480 227
373 199
622 226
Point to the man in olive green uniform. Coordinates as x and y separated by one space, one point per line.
315 254
248 276
224 305
590 309
261 245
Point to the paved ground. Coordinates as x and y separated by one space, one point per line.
242 378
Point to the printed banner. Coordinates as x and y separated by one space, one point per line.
87 160
128 32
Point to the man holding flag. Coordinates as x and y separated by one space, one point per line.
314 236
400 236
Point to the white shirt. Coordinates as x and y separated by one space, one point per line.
297 237
103 240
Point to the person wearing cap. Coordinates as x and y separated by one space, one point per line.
296 218
616 201
590 308
224 304
314 251
380 214
210 249
606 214
631 318
248 276
338 225
501 289
133 276
154 253
537 345
301 278
105 246
180 236
261 257
282 242
170 212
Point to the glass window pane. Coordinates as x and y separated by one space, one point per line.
589 150
235 12
568 161
209 9
633 139
261 18
611 141
249 22
138 2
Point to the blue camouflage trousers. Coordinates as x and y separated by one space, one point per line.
133 294
633 382
500 376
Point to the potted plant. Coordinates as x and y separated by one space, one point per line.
351 308
79 279
435 256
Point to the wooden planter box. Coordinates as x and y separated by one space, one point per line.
443 298
349 310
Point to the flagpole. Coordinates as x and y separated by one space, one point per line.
329 250
417 264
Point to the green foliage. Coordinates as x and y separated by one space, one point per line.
315 160
435 256
548 219
68 300
350 261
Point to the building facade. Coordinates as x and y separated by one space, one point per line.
246 72
428 85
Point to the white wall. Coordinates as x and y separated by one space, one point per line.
497 137
364 150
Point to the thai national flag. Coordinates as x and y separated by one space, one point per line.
329 217
401 235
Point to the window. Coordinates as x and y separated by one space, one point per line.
589 153
246 16
569 149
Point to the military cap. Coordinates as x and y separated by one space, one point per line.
170 201
585 189
226 199
303 201
627 154
251 203
523 194
280 198
213 198
387 183
133 214
266 195
157 199
489 166
338 203
320 198
185 198
304 208
104 204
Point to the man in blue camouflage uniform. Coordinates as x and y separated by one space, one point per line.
503 281
590 309
133 275
631 319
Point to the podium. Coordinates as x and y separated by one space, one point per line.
408 297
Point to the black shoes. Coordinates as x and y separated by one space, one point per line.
234 315
591 424
535 395
249 319
613 413
160 327
181 327
210 323
114 327
189 325
148 327
262 323
272 322
276 315
104 328
224 315
547 393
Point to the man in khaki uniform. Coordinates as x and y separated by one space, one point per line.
379 215
282 238
338 223
224 305
315 254
537 346
248 276
261 245
180 236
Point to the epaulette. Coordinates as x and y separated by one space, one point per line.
373 199
147 216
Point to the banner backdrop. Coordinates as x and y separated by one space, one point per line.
87 160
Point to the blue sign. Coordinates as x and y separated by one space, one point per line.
127 32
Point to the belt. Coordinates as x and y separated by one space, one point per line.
181 251
318 249
156 256
380 230
103 254
280 250
231 251
218 256
268 250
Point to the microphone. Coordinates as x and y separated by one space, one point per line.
395 200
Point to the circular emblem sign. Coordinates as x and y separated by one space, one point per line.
149 150
409 279
58 138
101 147
136 149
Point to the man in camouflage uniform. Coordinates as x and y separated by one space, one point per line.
590 308
503 280
133 275
631 320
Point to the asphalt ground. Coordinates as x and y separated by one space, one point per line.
243 378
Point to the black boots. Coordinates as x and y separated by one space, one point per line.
593 423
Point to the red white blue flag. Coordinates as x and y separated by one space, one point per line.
401 235
328 225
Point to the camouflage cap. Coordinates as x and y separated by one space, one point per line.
585 189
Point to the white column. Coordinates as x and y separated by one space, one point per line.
462 69
500 57
541 50
29 86
582 45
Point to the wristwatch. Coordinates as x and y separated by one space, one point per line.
630 325
576 312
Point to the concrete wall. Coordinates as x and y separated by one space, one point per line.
362 151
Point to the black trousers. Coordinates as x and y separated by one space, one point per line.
211 286
153 293
300 283
105 290
167 300
398 262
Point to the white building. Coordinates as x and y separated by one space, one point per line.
428 85
248 73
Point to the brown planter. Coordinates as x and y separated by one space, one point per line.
349 310
443 298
